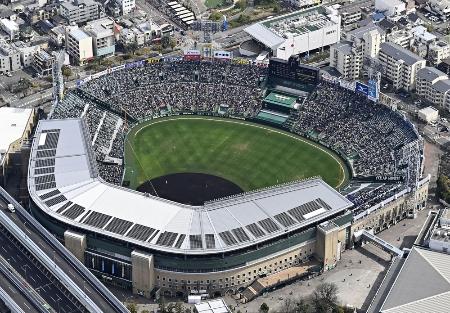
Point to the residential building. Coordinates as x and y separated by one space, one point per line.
345 58
434 86
78 45
400 65
27 51
301 4
11 28
103 39
353 12
438 51
43 63
297 32
421 35
426 78
35 15
126 6
9 58
440 7
403 38
390 7
368 38
79 11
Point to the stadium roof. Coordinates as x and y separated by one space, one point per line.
64 182
13 122
280 99
422 285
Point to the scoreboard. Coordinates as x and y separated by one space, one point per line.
293 70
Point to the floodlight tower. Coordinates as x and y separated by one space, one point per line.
58 79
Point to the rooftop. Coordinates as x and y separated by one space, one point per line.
430 73
213 306
442 85
74 193
274 31
399 53
422 285
78 34
13 122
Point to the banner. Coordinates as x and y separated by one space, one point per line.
373 90
364 89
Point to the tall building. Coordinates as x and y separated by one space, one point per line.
126 6
348 56
9 58
400 65
103 39
434 86
79 11
79 45
426 78
346 59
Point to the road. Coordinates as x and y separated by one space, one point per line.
93 292
16 295
40 279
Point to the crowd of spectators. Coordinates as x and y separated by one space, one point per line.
375 140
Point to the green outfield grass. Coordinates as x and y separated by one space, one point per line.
250 155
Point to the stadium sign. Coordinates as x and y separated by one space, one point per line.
364 89
241 61
347 85
373 90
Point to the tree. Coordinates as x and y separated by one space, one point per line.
325 297
264 308
288 306
173 43
66 71
302 306
132 308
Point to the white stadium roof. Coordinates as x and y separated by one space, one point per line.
63 181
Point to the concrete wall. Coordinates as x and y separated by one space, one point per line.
143 273
75 243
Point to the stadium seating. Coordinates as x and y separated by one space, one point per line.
374 139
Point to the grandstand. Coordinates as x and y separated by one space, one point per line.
146 243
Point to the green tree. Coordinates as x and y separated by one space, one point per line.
264 308
66 71
132 308
173 43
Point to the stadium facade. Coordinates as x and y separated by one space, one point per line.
139 241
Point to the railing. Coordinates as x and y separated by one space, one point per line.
55 244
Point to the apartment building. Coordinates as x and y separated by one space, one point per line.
79 11
345 57
11 28
438 51
103 38
9 58
400 65
403 38
27 51
434 86
426 78
126 6
43 62
78 46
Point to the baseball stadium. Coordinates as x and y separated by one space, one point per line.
174 177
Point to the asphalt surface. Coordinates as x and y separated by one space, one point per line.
59 259
18 297
38 277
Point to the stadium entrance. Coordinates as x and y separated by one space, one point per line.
190 188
